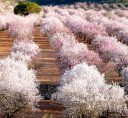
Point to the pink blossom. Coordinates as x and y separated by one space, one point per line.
51 25
110 48
121 13
62 38
34 19
122 36
114 27
21 29
78 53
20 56
89 30
75 23
6 18
26 49
3 24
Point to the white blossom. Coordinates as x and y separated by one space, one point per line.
83 91
17 86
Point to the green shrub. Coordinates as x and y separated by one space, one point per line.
25 8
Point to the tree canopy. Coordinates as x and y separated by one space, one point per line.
43 2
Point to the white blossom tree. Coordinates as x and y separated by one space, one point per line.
83 91
18 89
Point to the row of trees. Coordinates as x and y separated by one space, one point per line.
72 1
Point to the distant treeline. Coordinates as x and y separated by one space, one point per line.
56 2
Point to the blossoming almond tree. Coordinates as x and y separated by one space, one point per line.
110 48
78 53
84 92
122 36
80 26
18 89
62 38
51 25
34 18
6 19
25 50
21 29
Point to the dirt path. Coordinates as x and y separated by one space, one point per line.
47 67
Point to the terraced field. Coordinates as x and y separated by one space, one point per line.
48 74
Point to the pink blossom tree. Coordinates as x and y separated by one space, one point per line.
76 54
25 50
81 27
21 29
51 25
110 48
62 38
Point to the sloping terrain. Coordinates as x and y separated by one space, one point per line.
48 74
